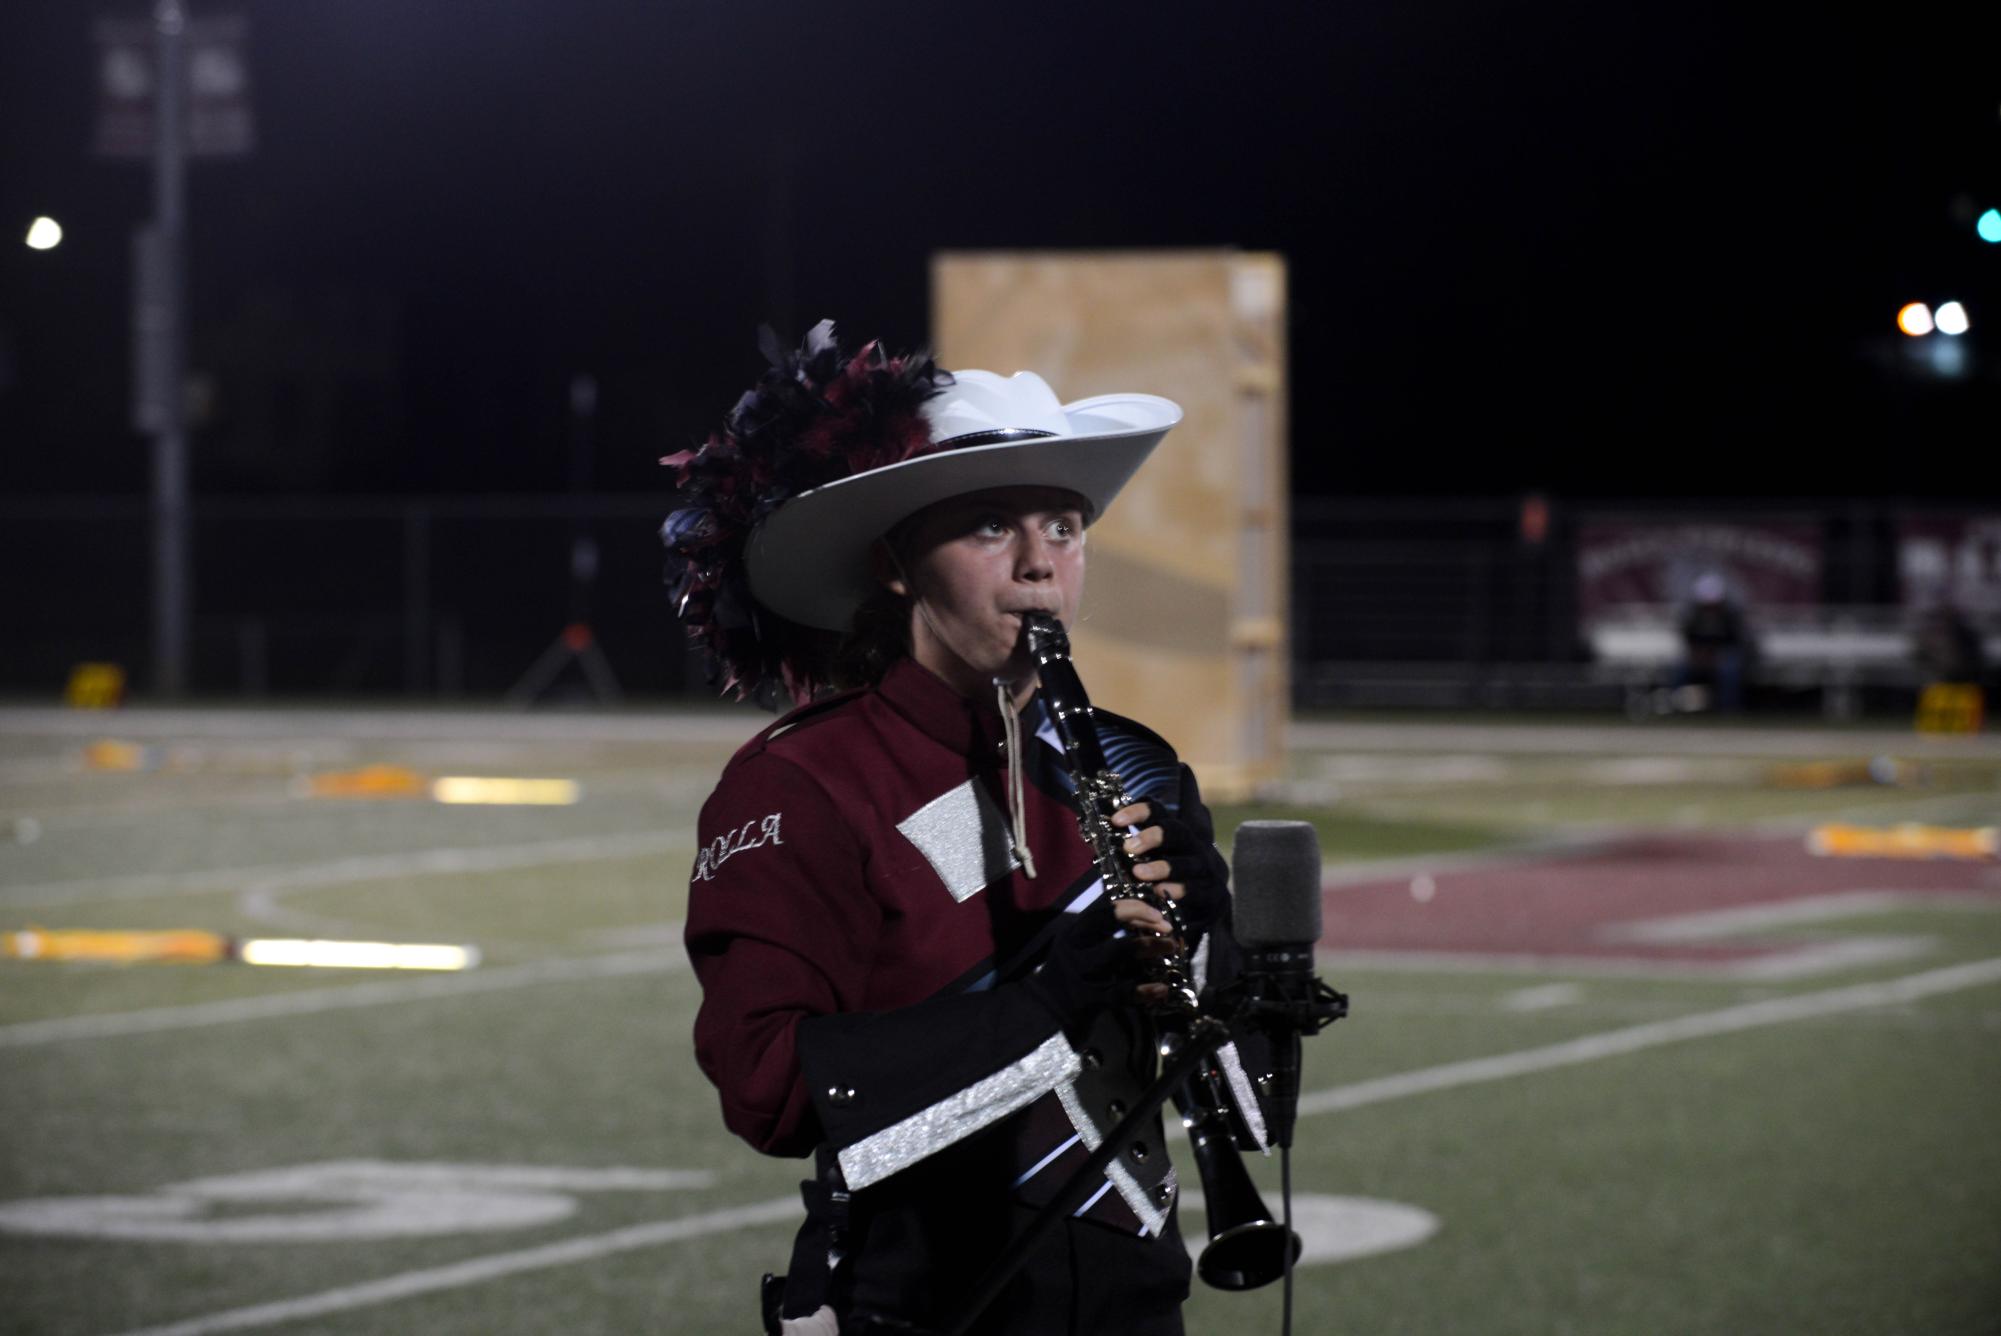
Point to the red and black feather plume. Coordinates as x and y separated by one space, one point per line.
819 414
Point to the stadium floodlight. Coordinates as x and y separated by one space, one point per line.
44 234
1915 319
1951 319
1989 226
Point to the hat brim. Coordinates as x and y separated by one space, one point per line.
809 560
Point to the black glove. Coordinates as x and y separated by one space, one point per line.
1090 967
1194 862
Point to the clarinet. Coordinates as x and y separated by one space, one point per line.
1099 793
1247 1247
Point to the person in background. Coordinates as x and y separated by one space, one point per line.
1715 643
1947 647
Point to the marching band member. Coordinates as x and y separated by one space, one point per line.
908 969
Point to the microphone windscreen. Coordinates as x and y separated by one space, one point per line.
1275 868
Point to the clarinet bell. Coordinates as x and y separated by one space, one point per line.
1245 1256
1247 1247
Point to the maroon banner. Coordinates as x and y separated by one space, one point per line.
1950 559
1762 563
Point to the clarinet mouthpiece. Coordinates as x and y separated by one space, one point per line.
1046 637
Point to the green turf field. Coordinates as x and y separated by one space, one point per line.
1491 1144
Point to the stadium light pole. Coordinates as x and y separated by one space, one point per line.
162 353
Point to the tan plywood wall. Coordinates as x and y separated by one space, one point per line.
1184 610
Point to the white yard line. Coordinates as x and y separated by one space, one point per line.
1828 957
1590 1048
1769 915
313 1001
1543 848
365 867
479 1270
1511 962
1633 1039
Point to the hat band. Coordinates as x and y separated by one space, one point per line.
996 436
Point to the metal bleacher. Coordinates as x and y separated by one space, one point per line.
1839 651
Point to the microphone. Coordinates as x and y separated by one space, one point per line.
1276 916
1276 907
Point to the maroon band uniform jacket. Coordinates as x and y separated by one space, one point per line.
860 926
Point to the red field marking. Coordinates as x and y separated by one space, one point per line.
1572 905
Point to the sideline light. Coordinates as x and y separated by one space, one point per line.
1915 319
188 947
1977 843
397 781
310 954
44 234
505 792
195 947
1951 319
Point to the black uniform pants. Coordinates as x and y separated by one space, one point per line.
1084 1280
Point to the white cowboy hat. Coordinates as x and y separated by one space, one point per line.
809 559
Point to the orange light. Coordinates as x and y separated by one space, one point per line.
188 947
371 781
112 754
1906 841
1915 319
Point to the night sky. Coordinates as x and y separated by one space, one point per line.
1596 248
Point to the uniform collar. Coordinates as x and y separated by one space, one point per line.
969 727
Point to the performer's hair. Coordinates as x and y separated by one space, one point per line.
877 636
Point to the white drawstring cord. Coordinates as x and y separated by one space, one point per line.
1010 722
1017 803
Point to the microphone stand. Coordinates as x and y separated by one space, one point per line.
1289 1002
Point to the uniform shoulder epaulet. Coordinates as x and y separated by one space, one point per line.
801 716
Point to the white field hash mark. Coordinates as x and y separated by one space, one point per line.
1543 997
1589 1048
